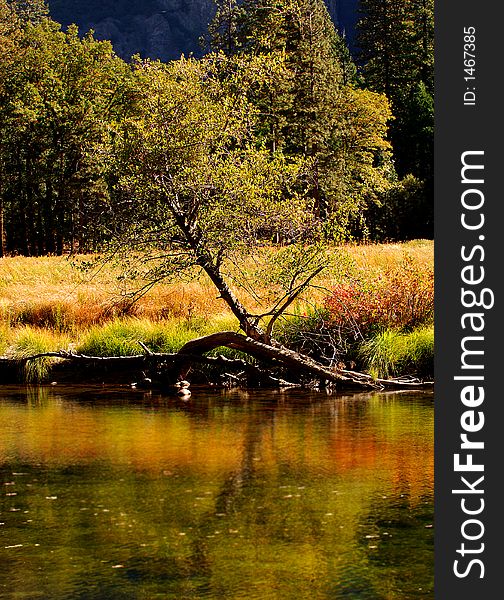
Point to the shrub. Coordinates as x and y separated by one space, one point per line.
400 298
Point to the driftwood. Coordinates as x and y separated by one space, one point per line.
273 355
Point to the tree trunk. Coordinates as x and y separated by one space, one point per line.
211 267
272 352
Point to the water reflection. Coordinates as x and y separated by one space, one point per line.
113 493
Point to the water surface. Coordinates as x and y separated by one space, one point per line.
115 493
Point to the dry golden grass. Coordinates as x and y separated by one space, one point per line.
384 256
50 293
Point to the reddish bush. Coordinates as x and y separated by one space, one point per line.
402 298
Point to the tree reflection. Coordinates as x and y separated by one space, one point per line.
231 496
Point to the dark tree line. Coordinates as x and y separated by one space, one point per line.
59 98
396 39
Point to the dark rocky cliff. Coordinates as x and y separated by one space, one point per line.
162 29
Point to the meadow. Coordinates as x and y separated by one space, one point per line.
374 313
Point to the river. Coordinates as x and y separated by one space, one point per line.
121 494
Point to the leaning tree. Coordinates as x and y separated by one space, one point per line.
195 192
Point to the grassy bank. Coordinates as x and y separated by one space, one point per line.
375 315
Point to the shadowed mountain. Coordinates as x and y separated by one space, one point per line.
162 29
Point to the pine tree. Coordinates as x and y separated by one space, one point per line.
223 31
300 35
310 107
396 40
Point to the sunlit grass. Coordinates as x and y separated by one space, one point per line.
28 341
391 353
49 292
385 256
47 304
122 336
5 334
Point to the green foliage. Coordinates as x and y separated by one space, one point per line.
61 96
311 107
193 166
268 138
30 341
396 38
363 173
188 153
197 189
396 41
392 353
9 23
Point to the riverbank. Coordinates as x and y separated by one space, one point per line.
374 315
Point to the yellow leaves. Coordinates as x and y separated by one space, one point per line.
364 153
192 140
364 118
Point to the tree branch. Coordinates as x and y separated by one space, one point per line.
293 295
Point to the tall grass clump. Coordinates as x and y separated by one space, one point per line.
53 314
122 336
30 341
4 338
392 353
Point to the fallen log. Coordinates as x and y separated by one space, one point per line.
269 356
271 352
